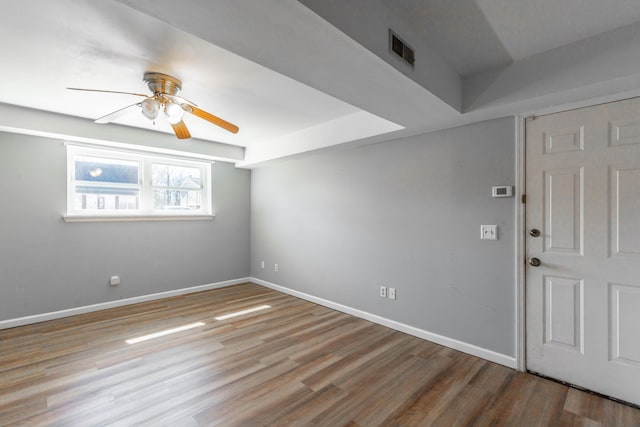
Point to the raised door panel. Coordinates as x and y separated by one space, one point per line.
564 141
563 312
624 132
624 320
625 212
564 212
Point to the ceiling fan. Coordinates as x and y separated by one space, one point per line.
165 99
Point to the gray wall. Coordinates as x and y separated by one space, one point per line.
48 265
404 214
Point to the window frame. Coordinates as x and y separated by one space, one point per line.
145 210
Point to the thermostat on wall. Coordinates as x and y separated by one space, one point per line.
502 191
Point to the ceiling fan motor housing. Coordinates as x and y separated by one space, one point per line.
162 83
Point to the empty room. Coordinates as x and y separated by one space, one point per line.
320 213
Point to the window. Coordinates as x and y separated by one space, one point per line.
113 183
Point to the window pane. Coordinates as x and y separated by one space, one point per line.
99 169
106 182
176 176
177 200
112 198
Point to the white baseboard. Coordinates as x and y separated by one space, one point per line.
464 347
12 323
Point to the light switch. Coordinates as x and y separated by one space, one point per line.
489 232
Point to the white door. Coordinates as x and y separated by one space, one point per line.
583 196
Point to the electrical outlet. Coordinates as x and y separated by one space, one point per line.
114 280
261 264
392 293
489 232
275 267
383 291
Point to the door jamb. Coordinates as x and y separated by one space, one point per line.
520 250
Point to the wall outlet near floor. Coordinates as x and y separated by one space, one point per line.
261 264
275 267
392 293
114 280
383 291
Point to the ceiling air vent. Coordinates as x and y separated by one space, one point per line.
400 48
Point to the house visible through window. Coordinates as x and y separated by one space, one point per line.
176 187
106 182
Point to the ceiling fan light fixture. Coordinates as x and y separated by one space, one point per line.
164 89
173 112
150 108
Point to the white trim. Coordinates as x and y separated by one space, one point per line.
464 347
12 323
142 149
116 218
520 241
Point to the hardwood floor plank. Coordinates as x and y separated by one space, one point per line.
443 390
509 402
395 391
294 364
242 387
607 412
16 411
545 404
304 409
188 398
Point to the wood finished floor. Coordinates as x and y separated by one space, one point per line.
294 364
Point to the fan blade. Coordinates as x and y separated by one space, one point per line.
116 114
107 91
210 118
179 99
181 130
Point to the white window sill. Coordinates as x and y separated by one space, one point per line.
120 218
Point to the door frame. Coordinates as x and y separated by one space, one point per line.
520 241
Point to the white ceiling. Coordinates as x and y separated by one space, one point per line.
529 27
106 45
298 76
